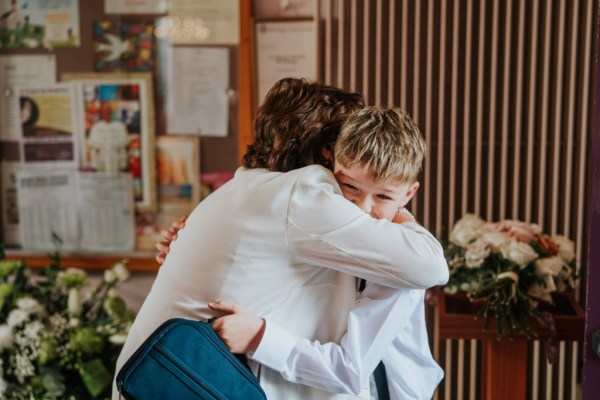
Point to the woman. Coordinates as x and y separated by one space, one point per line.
281 239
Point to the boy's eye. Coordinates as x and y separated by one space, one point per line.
349 186
384 197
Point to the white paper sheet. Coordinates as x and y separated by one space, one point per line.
11 231
204 22
277 59
88 211
198 101
47 205
107 212
135 6
16 71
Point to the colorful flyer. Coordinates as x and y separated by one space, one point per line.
124 46
35 24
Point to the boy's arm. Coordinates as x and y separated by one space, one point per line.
374 323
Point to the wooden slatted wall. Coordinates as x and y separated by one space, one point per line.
501 89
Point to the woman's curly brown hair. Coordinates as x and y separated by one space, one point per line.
296 122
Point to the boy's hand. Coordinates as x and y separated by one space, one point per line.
168 236
241 331
402 217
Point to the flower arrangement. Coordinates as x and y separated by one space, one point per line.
512 267
59 334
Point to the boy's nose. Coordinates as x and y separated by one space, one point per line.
365 204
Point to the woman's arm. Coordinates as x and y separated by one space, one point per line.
326 230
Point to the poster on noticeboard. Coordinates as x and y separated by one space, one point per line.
35 24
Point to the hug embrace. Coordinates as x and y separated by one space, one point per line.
308 255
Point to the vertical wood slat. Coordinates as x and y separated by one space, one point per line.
517 173
391 77
341 68
505 114
531 110
501 91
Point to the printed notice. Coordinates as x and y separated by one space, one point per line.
47 210
18 71
198 102
107 212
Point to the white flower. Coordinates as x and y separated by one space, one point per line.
465 230
109 276
118 338
112 293
518 252
30 305
72 278
566 247
548 266
495 239
32 330
17 317
121 272
6 338
476 253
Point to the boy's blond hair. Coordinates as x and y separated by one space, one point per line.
382 141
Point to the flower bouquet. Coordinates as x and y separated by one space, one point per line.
510 267
59 334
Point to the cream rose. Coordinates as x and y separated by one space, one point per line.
548 266
566 247
476 253
518 252
465 230
495 239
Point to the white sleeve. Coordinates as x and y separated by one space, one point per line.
326 230
345 368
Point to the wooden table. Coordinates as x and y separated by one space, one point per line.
503 360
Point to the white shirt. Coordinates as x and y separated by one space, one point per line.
386 325
285 245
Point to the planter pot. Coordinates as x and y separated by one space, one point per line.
505 360
456 318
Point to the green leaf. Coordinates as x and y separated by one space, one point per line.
95 376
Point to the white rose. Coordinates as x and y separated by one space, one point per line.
548 266
17 317
121 272
465 229
476 253
30 305
495 239
518 252
566 247
109 276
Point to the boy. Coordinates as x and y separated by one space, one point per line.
378 156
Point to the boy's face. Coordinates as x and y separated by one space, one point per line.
378 199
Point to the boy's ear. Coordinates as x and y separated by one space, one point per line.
412 190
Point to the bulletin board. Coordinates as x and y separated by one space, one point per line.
217 154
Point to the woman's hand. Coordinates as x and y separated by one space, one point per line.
241 331
168 236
